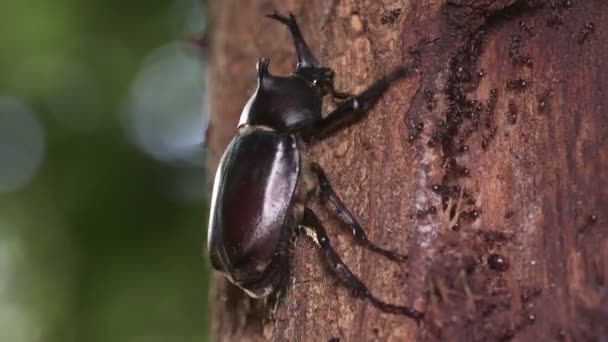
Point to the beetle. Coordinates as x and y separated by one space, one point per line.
265 178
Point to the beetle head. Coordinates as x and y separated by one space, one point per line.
321 78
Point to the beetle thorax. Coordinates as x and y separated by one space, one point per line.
283 103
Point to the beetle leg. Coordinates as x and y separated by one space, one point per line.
347 217
352 110
314 229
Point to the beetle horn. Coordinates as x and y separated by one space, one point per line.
262 67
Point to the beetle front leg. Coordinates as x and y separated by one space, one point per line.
314 229
352 110
347 217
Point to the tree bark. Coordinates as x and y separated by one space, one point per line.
502 130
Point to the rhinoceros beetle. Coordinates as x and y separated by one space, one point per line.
265 178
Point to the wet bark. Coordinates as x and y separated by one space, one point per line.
489 167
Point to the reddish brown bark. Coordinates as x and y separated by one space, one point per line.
533 172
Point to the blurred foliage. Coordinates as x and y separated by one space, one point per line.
98 245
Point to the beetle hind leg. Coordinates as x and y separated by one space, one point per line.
347 217
314 229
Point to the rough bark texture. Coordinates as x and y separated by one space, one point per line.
512 153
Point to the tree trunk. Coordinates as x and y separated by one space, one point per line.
502 130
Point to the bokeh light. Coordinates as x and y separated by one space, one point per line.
16 322
21 144
165 113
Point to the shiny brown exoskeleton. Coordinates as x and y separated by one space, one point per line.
265 179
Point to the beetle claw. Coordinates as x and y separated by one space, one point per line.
360 293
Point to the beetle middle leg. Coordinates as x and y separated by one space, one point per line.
347 217
314 229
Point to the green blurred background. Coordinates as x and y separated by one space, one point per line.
103 196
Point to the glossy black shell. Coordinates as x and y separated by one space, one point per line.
285 103
251 204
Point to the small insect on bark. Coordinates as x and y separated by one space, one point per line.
265 179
